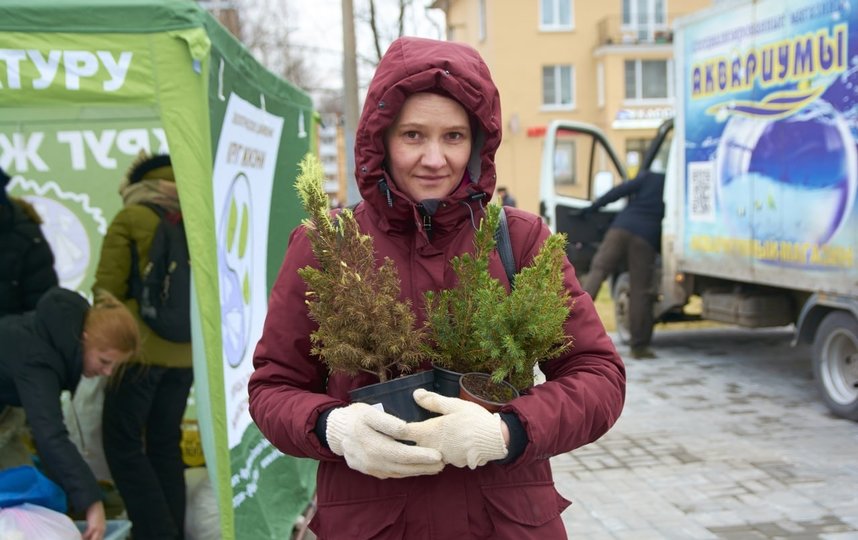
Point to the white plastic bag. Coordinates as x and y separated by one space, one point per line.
83 421
28 521
202 521
13 426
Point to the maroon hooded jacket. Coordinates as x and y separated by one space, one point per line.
290 388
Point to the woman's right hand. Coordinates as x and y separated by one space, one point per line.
366 437
96 523
465 433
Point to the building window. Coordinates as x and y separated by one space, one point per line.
635 151
557 87
645 17
556 15
600 85
481 16
649 80
564 164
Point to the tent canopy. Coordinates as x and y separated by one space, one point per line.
85 85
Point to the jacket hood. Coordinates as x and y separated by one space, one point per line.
413 65
16 214
60 315
4 179
28 209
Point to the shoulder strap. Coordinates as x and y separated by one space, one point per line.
135 280
158 209
504 246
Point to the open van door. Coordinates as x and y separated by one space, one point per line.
578 165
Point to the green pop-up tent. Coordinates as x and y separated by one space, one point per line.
85 85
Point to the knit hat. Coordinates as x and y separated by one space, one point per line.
147 167
150 179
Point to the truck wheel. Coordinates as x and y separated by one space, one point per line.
835 363
620 295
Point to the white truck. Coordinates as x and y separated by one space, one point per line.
761 165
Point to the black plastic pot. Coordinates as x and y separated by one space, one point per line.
395 396
469 392
446 381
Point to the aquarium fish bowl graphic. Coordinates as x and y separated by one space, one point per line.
235 257
770 173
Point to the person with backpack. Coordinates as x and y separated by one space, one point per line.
425 166
46 351
144 406
26 259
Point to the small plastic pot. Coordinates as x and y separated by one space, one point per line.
395 396
480 389
446 381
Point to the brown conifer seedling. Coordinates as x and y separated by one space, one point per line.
363 326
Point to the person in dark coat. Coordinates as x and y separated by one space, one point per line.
48 350
506 197
424 160
26 259
633 239
143 409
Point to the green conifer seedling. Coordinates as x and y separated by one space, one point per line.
477 326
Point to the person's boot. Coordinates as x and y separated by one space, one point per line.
642 352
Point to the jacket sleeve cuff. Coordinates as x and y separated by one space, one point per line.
517 437
321 428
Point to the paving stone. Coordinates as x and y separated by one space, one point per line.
839 536
723 437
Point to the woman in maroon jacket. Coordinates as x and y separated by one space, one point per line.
424 156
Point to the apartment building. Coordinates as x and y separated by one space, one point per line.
331 144
608 62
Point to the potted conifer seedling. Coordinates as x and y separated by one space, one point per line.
492 338
363 326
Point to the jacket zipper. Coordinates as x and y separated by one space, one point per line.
427 220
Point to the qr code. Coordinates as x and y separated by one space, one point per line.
701 191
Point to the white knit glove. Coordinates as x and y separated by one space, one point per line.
366 437
465 433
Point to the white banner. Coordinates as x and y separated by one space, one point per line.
243 179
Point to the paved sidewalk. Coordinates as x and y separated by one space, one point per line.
723 437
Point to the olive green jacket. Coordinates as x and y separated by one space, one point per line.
135 225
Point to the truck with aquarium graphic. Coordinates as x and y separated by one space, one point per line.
761 180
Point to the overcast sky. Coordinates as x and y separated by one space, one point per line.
318 32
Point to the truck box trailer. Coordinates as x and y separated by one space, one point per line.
761 180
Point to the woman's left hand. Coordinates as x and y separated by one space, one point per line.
466 434
96 523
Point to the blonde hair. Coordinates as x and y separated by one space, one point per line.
110 325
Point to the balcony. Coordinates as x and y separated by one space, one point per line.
611 31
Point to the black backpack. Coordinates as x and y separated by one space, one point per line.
164 290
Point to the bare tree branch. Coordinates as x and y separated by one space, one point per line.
439 29
373 24
403 7
332 102
266 27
